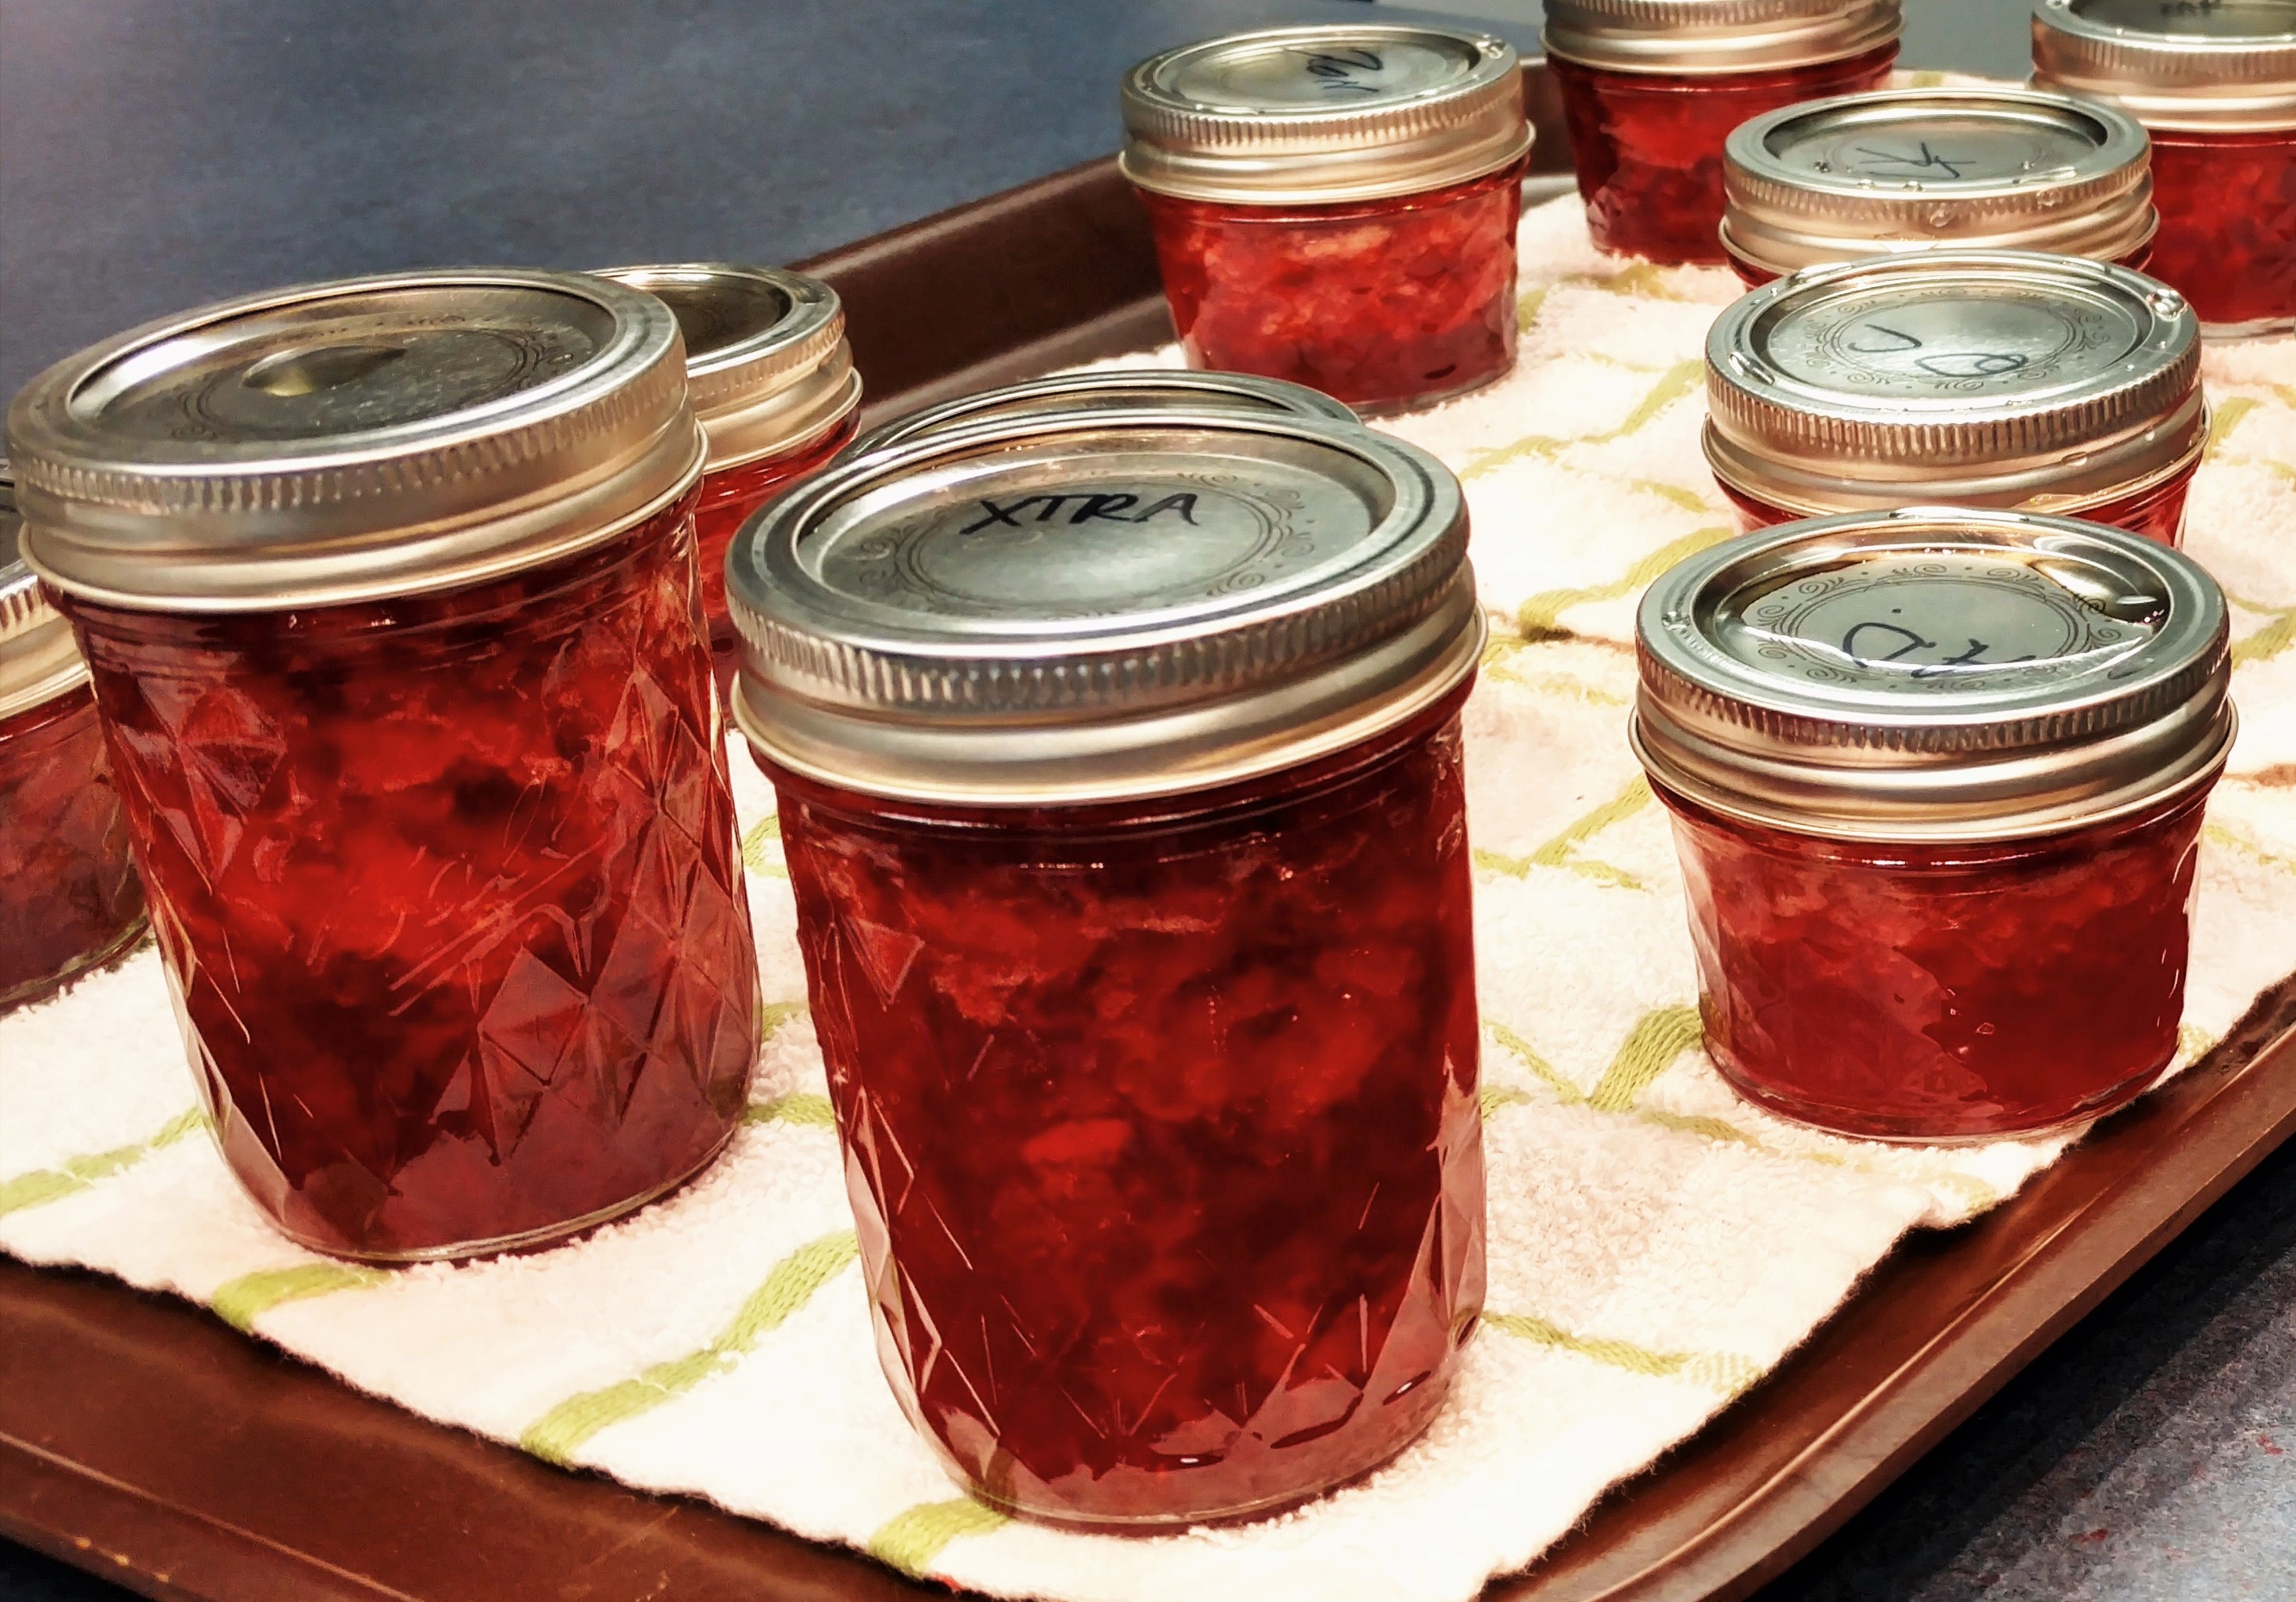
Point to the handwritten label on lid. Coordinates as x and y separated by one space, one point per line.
1951 340
1322 75
2208 19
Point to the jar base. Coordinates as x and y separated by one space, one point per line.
121 947
531 1240
1902 1132
1372 409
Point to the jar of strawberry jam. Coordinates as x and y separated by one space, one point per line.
1336 205
1120 773
387 591
1906 169
69 899
1652 88
1116 388
774 386
1937 778
2214 83
1979 378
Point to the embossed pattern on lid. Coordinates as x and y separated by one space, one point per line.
1114 389
1339 111
1988 378
1716 36
38 661
768 366
364 438
1895 169
1098 605
1933 673
2222 65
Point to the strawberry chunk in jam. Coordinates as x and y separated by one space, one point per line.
69 899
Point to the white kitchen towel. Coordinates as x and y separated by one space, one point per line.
1655 1245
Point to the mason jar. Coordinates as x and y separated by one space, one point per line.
387 591
1114 389
1120 769
2001 379
1652 88
1937 779
1908 169
2214 83
69 899
773 384
1336 205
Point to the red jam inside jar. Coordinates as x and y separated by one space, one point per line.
2157 511
447 889
69 899
729 494
1160 1123
1648 146
1940 992
1384 304
1118 759
2227 239
1937 780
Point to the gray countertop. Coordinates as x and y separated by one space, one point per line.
156 153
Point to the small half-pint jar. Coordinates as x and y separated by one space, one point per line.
1120 768
1911 169
1336 205
773 384
1113 389
386 590
69 899
1652 88
2004 378
2214 82
1937 778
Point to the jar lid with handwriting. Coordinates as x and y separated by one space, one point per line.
38 661
766 363
1111 390
1698 36
367 437
1338 111
1994 378
1933 674
1090 606
2228 66
1895 169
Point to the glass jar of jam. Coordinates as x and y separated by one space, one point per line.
1111 389
1980 378
69 899
773 384
1119 774
2214 81
1906 169
387 591
1652 88
1337 205
1937 777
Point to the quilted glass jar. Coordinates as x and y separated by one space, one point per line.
69 899
1909 169
2004 379
1336 205
2214 83
1937 779
1118 760
772 383
387 591
1652 88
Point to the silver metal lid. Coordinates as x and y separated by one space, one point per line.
38 661
1118 389
2225 65
1994 378
1900 170
1343 112
1933 674
766 363
1100 606
340 441
1716 36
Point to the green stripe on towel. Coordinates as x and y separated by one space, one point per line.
910 1541
240 1302
45 1185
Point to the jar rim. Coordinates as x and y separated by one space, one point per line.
2180 78
1114 389
38 659
1698 37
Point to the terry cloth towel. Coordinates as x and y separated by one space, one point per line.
1655 1245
